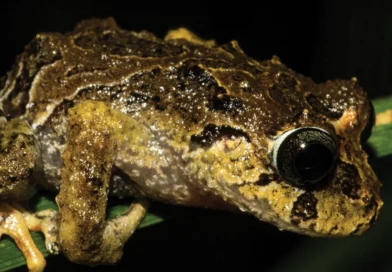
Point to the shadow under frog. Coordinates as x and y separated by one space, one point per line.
187 122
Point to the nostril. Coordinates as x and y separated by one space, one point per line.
366 200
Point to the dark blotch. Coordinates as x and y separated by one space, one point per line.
349 180
198 74
160 107
158 103
140 98
304 208
194 78
265 179
95 181
13 179
181 86
226 103
326 110
350 189
213 133
156 98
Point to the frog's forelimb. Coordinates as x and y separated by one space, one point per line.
84 235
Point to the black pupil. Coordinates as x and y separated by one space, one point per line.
313 161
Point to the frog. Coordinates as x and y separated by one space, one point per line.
102 112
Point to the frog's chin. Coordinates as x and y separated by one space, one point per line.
313 229
317 227
304 213
320 228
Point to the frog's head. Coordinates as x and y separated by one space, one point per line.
293 156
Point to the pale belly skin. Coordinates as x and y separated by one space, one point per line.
104 112
144 163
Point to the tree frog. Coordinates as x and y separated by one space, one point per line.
104 112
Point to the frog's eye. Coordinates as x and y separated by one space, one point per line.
304 155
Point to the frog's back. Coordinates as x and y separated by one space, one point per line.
181 85
196 81
100 59
56 67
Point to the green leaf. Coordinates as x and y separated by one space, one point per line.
380 141
11 257
382 104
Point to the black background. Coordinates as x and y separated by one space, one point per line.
323 40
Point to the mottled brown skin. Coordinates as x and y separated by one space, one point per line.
188 122
19 158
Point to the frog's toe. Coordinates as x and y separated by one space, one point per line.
13 224
46 222
52 247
